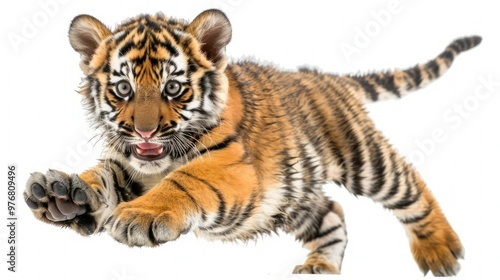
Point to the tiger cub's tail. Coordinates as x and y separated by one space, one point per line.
396 83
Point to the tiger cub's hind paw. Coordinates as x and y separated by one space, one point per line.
438 252
61 199
316 266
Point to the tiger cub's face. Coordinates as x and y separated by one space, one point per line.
154 84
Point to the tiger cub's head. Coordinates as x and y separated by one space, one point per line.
154 84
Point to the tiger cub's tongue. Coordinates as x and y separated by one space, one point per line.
149 149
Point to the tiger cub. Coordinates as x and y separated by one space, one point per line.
233 150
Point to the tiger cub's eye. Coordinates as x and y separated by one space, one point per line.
172 88
123 89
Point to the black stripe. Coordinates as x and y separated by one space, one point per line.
126 48
222 203
183 117
156 69
356 159
136 188
117 74
185 191
345 123
113 118
447 56
95 86
302 114
303 217
332 141
395 182
108 102
386 80
455 47
408 198
140 28
123 125
328 231
367 87
232 215
174 36
192 67
247 211
378 166
152 24
415 75
119 39
462 45
106 68
296 117
307 169
119 197
418 218
241 218
286 165
169 47
215 84
318 135
205 86
315 220
422 235
178 73
201 112
131 189
433 67
221 145
328 244
184 91
247 123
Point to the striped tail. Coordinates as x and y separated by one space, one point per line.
396 83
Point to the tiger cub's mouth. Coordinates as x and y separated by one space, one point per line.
149 151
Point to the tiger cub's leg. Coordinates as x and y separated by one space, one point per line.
81 202
434 244
398 186
327 240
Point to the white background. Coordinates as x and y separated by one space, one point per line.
43 125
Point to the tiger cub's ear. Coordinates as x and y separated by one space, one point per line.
85 35
213 31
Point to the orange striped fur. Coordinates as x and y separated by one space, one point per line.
233 150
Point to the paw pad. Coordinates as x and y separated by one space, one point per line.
57 198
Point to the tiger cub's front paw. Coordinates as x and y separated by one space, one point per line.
61 199
141 223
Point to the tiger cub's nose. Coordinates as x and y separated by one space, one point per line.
145 134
